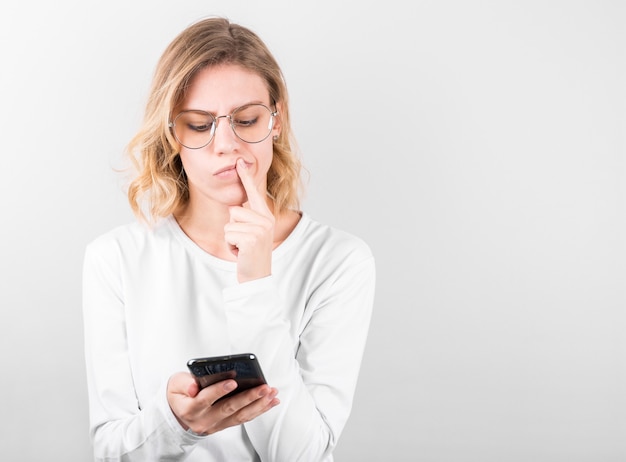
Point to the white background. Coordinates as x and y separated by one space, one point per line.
478 147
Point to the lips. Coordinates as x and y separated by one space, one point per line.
228 170
225 169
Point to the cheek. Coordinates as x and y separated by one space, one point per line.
185 160
193 164
264 159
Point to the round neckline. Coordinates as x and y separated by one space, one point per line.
195 249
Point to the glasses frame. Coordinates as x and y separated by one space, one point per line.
172 124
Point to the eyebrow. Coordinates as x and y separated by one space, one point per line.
231 110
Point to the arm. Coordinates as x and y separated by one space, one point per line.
119 429
316 383
316 376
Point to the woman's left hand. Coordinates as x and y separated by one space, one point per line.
250 231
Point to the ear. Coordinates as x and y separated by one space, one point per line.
276 128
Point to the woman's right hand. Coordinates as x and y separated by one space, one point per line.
197 409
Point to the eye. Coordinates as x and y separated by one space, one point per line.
195 121
199 127
244 123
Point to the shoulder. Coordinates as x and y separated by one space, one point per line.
334 242
332 258
127 238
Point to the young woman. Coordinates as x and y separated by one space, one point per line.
221 261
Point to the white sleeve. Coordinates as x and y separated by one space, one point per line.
316 381
119 429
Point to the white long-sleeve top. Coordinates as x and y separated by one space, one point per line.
153 299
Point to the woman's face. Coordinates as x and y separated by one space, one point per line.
210 170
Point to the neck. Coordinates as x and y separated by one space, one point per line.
209 220
204 224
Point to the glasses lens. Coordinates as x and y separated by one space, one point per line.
252 123
194 129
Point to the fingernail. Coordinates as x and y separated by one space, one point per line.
241 163
230 385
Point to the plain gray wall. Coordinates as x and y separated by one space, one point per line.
479 147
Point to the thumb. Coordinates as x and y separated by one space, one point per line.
193 389
218 390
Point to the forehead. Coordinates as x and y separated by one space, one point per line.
225 87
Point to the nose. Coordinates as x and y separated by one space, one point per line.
224 138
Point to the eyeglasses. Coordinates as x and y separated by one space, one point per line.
251 123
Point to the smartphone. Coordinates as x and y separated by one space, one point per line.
243 368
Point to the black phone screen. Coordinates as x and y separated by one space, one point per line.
243 368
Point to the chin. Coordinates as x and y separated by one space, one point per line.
234 199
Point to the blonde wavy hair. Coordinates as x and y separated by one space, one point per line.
160 185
